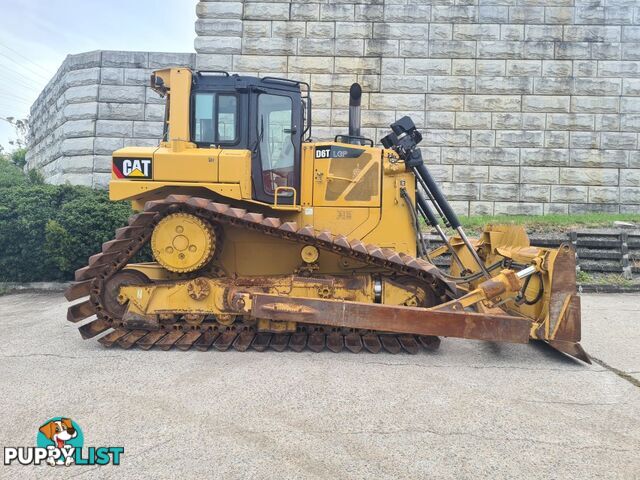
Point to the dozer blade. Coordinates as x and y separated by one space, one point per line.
392 319
564 307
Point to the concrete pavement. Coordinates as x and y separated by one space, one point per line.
472 409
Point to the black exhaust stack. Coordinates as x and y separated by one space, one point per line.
355 97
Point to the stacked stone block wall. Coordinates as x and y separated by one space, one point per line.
527 106
96 103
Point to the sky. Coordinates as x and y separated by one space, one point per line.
37 35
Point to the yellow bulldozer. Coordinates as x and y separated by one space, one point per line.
262 238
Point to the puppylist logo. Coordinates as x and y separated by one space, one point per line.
60 441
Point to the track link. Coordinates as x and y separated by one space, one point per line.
117 253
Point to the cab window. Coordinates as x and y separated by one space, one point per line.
215 119
276 146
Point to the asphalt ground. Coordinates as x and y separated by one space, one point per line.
470 410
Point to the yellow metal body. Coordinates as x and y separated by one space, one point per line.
360 198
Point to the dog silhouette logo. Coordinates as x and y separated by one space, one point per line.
63 436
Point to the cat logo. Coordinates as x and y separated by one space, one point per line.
133 168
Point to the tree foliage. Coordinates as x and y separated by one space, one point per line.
49 231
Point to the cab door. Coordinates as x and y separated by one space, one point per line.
276 154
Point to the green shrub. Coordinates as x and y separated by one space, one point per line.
49 231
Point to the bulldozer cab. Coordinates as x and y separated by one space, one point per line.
264 116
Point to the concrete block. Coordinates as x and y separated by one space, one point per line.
483 138
520 208
557 68
570 121
137 76
540 175
268 46
504 174
427 66
166 60
114 128
455 14
491 67
447 137
493 103
440 31
154 113
597 158
569 194
369 13
504 85
312 64
332 82
78 128
572 50
588 176
535 193
462 66
445 120
480 208
556 139
79 111
148 129
619 140
225 10
558 15
630 177
412 13
451 84
81 94
257 28
350 47
265 11
476 31
625 68
493 14
544 157
316 46
400 31
452 49
597 104
495 156
305 11
288 29
106 146
403 83
86 76
122 111
499 192
519 138
473 120
628 104
461 191
112 76
336 12
413 48
219 27
527 68
630 122
455 155
77 146
122 94
125 59
470 173
513 32
604 194
526 15
630 195
321 30
584 140
205 61
542 103
259 63
388 101
360 65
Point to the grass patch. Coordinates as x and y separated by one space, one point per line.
586 278
550 223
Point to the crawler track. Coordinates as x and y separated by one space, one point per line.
117 253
